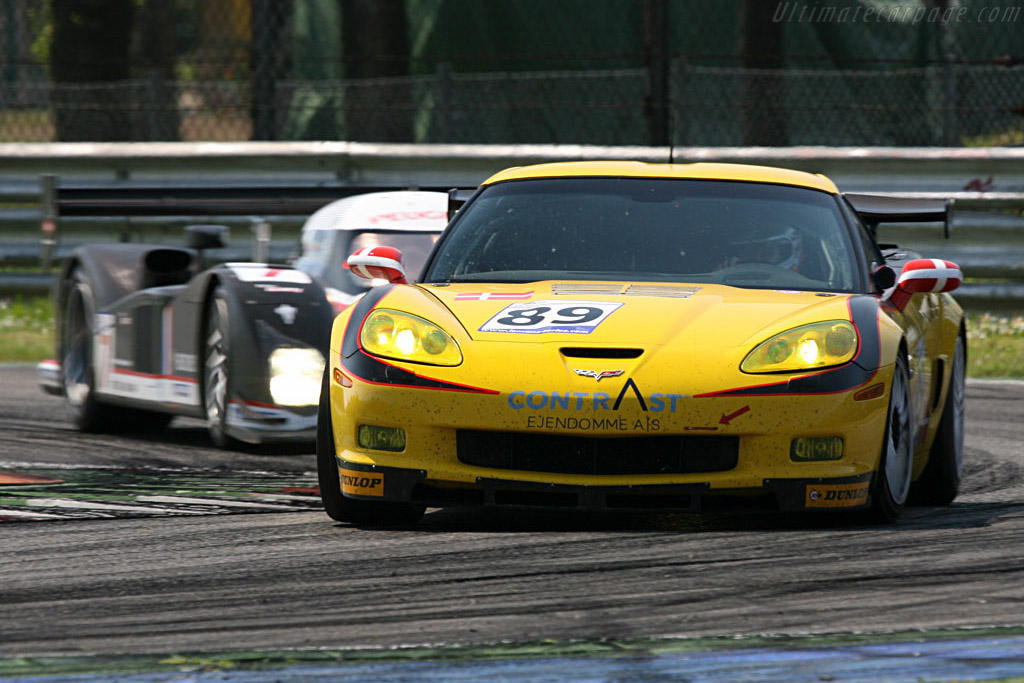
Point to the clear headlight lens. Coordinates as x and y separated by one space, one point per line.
295 376
403 336
809 347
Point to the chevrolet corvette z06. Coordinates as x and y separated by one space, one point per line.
633 336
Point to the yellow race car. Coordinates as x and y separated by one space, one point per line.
631 336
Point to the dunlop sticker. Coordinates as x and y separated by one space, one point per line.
361 483
836 495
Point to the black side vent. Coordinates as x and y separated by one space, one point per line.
591 352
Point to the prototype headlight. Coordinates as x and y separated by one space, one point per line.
809 347
403 336
295 376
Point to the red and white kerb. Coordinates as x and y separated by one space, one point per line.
932 275
379 262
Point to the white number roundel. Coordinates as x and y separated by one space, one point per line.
539 317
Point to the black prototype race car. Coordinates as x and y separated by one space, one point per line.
145 333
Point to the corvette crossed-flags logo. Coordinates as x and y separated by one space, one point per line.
598 374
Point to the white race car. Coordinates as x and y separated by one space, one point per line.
408 220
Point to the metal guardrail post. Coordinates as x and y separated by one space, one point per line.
48 222
261 241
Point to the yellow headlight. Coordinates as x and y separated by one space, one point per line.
403 336
810 347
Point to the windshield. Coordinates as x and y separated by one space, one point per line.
650 229
325 252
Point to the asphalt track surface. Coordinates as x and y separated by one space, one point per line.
194 576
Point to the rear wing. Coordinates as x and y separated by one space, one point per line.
198 200
212 200
874 209
457 196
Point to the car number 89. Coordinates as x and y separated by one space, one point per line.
538 317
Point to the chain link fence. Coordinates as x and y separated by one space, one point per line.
604 72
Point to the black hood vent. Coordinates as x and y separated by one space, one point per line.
600 352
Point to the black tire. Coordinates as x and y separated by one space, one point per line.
216 378
84 409
940 481
892 480
326 462
337 506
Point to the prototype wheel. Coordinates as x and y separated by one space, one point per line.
940 481
892 481
85 411
336 505
216 378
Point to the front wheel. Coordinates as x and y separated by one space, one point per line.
336 505
216 380
79 373
940 481
892 480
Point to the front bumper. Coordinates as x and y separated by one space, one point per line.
370 482
762 474
50 378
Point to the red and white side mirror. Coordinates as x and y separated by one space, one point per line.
379 263
925 275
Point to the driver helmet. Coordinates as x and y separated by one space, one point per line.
783 249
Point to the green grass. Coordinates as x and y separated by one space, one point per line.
995 343
26 329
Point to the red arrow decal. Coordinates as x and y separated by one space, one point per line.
726 419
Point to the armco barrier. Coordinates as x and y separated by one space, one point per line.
986 183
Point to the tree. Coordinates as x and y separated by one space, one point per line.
88 54
153 55
763 107
375 44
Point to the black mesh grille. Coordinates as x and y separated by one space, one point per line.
594 455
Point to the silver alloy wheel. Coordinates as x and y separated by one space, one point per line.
899 453
216 374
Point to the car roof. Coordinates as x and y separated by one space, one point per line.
411 210
694 171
